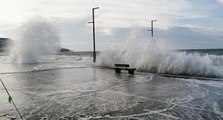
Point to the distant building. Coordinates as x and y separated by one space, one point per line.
3 43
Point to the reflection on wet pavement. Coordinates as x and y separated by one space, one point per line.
93 93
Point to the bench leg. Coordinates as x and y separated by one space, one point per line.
117 70
131 72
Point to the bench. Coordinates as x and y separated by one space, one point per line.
119 67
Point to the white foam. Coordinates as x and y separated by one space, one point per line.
146 56
38 37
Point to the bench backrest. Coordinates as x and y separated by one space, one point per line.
121 65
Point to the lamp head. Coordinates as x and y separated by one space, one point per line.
96 8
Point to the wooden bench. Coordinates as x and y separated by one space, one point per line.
119 67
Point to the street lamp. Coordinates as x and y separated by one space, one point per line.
94 53
152 27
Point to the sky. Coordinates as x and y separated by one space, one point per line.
181 24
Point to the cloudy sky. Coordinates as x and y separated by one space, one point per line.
180 23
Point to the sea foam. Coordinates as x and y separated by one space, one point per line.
148 57
37 37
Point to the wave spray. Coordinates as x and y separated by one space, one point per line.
38 37
147 57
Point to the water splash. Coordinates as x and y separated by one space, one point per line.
148 57
38 37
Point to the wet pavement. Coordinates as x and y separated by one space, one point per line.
93 93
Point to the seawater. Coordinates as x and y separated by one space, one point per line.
148 57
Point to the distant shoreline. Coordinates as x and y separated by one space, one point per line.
203 51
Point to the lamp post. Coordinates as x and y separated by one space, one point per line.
94 53
152 27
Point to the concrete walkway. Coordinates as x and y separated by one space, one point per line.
100 94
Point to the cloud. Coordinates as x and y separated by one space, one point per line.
78 36
189 37
112 14
221 1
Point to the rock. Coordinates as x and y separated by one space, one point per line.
64 50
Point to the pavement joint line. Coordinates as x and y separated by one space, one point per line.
135 115
32 71
159 112
156 100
